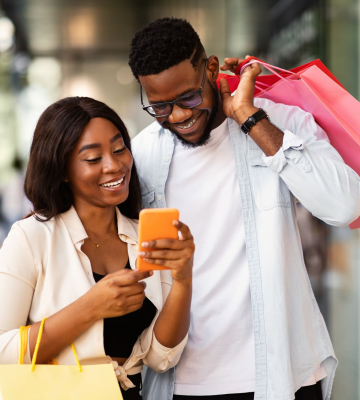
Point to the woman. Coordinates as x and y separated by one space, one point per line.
74 259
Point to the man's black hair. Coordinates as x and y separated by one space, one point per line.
162 44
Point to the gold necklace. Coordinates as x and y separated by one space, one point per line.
98 245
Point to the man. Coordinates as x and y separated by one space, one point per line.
256 330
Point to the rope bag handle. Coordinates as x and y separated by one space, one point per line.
272 68
24 333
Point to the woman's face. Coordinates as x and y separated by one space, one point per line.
99 167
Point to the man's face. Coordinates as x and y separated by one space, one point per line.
192 125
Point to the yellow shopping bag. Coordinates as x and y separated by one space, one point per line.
56 382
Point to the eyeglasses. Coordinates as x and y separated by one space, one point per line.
189 100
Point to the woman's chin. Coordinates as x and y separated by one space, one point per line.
116 200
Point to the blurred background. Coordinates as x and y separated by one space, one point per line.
50 49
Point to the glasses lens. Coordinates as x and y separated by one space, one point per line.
160 109
190 101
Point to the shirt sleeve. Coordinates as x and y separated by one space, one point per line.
316 174
17 283
161 358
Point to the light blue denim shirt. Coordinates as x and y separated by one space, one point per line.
291 338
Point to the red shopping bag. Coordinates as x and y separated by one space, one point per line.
269 80
313 88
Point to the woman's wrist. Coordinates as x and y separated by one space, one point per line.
88 309
185 284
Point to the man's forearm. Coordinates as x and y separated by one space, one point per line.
266 135
326 187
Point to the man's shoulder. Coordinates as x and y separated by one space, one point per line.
277 108
147 134
282 115
145 148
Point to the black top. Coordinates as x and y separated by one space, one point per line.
121 333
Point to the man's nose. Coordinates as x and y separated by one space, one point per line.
179 114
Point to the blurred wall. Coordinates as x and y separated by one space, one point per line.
55 48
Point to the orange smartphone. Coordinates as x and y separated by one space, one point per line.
155 223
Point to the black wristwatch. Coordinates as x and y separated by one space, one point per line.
251 121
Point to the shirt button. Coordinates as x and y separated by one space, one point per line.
134 359
149 296
166 159
159 197
171 352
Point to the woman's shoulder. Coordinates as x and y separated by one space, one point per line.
34 226
21 248
33 232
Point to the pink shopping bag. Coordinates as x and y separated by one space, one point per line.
320 94
269 80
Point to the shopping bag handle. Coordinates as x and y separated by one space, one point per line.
24 332
252 60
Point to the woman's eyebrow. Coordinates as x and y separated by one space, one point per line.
97 145
116 137
90 146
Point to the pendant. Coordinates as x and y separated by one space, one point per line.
97 245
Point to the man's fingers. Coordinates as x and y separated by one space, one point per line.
232 63
226 67
233 60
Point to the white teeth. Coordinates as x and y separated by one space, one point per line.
189 125
113 184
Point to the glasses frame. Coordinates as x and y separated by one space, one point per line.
199 91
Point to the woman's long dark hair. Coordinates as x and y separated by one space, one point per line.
56 134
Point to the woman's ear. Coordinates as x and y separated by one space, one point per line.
213 68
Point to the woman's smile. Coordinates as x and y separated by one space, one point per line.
114 184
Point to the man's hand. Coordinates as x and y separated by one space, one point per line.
241 106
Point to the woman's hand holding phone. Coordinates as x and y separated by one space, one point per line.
167 243
175 254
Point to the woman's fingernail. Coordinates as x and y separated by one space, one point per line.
145 244
142 253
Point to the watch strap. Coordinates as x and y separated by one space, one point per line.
253 119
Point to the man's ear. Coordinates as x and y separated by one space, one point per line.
213 68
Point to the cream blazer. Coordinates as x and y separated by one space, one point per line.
43 270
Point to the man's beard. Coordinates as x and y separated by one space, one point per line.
205 137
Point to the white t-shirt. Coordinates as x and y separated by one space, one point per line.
219 357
